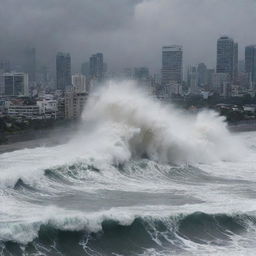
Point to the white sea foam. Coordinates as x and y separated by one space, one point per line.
23 225
124 123
121 125
139 126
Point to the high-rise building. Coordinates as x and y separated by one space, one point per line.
220 81
193 80
235 72
30 64
172 64
250 64
241 66
96 66
79 82
14 84
85 69
210 76
227 57
202 75
63 71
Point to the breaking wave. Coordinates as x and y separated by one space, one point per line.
130 182
122 123
143 127
124 236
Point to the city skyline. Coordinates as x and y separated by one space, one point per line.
84 66
137 31
173 72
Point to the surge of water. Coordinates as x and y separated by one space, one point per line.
137 171
142 127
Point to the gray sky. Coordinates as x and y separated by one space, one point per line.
128 32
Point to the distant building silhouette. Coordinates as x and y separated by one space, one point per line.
96 66
85 69
227 57
30 64
250 64
202 75
172 68
63 71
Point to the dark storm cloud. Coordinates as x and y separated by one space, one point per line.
53 25
128 32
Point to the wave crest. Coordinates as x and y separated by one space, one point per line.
127 235
143 127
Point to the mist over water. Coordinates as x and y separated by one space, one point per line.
143 127
138 178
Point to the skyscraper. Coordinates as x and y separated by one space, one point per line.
227 57
193 80
172 64
210 76
235 72
96 66
250 63
85 69
63 71
202 74
30 64
241 66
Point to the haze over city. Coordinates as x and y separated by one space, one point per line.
129 32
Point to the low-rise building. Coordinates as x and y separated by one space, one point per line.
47 107
27 111
250 108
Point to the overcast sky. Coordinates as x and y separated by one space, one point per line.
129 32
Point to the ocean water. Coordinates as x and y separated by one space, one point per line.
138 178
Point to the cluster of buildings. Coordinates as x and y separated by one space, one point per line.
28 94
230 78
19 101
31 92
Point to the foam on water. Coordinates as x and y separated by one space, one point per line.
124 123
130 145
162 133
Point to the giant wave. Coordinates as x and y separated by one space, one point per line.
138 178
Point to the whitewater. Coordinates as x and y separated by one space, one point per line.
138 178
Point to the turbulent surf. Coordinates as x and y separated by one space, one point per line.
137 178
